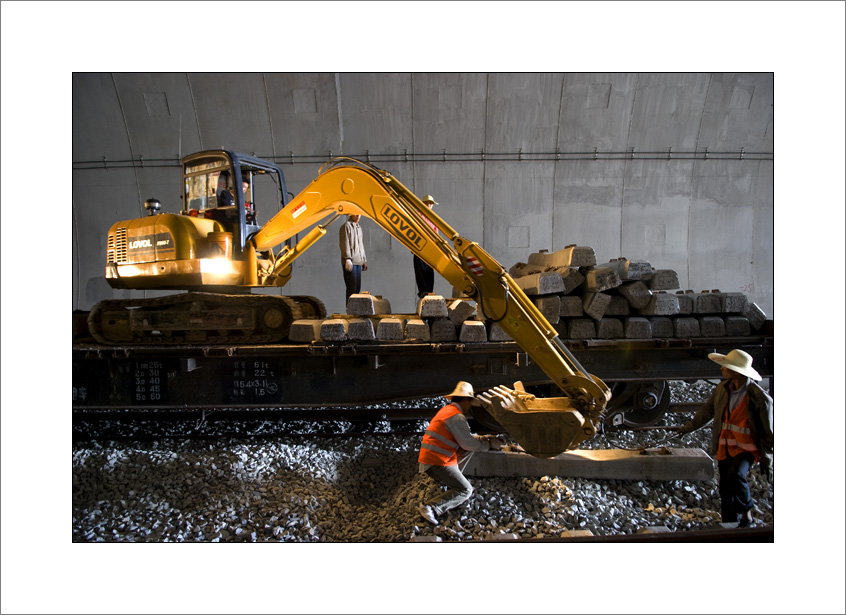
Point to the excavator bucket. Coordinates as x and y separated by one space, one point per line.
544 427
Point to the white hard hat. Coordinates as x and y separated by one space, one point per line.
430 199
737 361
464 389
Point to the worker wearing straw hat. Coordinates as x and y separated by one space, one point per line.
445 450
424 275
742 433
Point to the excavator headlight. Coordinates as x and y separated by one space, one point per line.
216 266
128 271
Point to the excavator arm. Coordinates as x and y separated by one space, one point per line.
358 189
545 427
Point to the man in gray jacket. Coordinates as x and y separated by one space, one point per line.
353 258
742 433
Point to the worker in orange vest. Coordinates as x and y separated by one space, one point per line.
742 433
446 448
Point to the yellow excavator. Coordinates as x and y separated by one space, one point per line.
215 249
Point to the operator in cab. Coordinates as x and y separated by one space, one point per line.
447 446
227 199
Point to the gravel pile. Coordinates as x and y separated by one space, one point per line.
305 488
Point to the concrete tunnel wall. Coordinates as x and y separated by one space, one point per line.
709 218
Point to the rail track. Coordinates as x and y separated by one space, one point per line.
764 534
210 424
203 429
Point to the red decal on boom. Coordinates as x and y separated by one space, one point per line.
475 266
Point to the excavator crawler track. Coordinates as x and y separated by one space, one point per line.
199 317
311 307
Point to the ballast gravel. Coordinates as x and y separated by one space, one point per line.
306 488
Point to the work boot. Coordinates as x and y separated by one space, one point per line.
427 513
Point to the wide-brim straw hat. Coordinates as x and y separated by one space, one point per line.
737 361
464 389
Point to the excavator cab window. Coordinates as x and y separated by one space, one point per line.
209 191
247 191
203 184
261 186
213 191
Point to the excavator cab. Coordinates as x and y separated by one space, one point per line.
206 244
224 186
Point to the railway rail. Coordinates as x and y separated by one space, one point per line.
764 534
89 424
172 430
210 424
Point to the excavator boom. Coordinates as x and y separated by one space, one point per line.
544 427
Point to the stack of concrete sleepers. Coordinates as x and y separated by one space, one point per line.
369 319
618 299
448 320
627 299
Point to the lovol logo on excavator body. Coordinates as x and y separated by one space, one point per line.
148 248
403 226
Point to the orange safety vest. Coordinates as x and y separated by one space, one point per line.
735 435
439 446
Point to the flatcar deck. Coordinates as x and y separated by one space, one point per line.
329 374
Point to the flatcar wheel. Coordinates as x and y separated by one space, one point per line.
637 404
650 404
